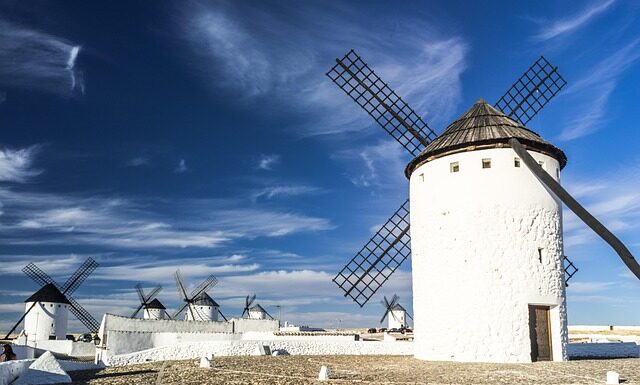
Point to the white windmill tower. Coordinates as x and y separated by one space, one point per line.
151 307
199 305
486 224
394 312
254 311
47 310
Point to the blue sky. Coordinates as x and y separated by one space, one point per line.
205 136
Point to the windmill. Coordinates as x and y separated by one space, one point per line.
481 224
46 311
397 315
153 308
254 311
200 306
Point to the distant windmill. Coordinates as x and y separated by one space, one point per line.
199 305
254 311
153 308
46 311
485 236
397 315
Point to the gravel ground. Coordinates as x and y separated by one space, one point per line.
360 370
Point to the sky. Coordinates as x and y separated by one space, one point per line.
204 136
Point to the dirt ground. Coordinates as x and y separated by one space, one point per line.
361 370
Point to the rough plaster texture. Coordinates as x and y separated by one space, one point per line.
485 244
246 348
46 319
44 370
70 348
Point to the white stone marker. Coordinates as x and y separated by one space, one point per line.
44 370
324 373
205 362
613 378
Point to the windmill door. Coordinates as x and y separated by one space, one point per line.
540 333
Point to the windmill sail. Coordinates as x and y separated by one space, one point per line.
378 259
532 91
395 116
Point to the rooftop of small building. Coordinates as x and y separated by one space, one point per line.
483 126
48 293
155 304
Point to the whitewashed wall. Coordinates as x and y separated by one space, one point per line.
475 236
45 319
244 348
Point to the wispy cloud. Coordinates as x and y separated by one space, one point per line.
378 165
601 81
39 218
139 161
260 53
268 162
16 165
555 28
182 167
614 200
34 60
283 191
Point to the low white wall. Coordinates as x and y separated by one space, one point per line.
244 348
600 328
116 322
120 342
11 370
604 350
252 336
70 348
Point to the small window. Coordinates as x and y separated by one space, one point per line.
454 167
422 177
540 254
541 163
516 162
557 173
486 163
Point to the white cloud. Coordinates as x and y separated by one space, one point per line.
284 191
600 80
614 200
589 287
260 53
267 162
139 161
35 60
553 29
39 218
16 165
182 167
378 165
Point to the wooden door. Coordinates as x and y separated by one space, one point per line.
540 333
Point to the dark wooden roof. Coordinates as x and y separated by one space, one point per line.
155 304
48 293
204 300
483 126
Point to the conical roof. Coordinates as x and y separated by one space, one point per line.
48 293
204 300
398 307
483 126
155 304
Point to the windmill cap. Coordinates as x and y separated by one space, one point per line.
48 293
483 126
204 300
155 304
